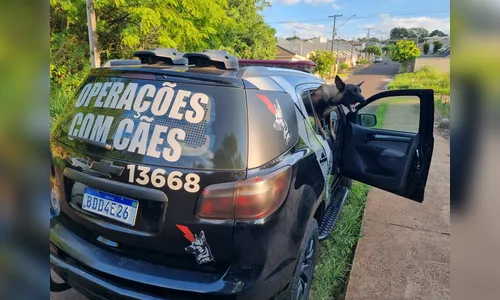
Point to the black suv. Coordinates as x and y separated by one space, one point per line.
191 176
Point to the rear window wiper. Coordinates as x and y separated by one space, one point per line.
93 143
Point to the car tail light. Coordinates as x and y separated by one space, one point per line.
249 199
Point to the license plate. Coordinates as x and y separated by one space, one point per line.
115 207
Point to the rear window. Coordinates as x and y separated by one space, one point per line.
158 122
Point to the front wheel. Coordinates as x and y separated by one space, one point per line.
301 282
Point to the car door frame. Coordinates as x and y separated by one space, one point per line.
325 148
413 188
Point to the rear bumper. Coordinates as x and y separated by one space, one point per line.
102 274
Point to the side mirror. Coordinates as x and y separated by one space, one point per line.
367 120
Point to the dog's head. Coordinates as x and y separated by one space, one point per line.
199 247
349 94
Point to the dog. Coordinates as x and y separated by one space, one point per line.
199 247
325 97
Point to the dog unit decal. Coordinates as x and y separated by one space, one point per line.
280 121
199 246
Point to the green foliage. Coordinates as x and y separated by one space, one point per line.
380 113
438 33
419 33
292 38
426 48
336 253
425 78
125 26
437 46
443 105
373 49
362 62
405 52
414 33
374 39
344 66
387 49
324 62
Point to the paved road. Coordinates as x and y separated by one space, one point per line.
375 77
405 249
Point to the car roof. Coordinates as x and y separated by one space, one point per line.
243 77
215 67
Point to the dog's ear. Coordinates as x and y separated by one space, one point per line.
339 83
359 84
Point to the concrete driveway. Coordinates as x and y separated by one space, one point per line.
405 249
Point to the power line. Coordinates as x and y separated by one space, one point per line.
373 16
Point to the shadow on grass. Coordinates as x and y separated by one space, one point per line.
337 252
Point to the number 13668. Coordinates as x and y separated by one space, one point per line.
159 177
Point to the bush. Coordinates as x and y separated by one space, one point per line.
405 52
425 78
344 66
426 48
437 46
324 62
362 61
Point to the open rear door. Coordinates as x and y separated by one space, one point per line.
389 141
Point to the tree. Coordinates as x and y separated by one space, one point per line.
373 50
426 48
438 33
125 26
419 33
400 33
437 46
292 38
363 39
386 49
374 40
324 62
405 52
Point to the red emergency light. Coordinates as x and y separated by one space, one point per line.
302 65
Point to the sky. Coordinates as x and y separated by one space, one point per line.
309 18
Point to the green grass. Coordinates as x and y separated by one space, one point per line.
425 78
380 114
442 106
336 253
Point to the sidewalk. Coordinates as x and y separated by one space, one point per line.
405 249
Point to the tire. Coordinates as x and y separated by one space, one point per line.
301 282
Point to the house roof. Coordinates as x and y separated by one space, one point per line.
304 47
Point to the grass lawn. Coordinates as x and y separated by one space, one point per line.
425 78
337 252
442 104
380 114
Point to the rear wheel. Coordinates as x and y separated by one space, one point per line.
301 282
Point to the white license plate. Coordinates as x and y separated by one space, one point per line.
115 207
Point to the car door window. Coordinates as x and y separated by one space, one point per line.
398 113
306 100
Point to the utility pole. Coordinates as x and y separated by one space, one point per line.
352 49
333 36
94 52
368 34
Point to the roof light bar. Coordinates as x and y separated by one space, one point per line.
302 65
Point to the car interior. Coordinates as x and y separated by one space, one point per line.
330 122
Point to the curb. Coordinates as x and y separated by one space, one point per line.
389 82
